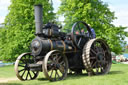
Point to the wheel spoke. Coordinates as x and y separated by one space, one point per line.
100 67
57 74
79 28
34 73
61 69
21 70
59 57
79 41
97 49
93 51
21 65
23 73
23 60
27 75
94 64
92 57
97 70
30 74
105 52
51 73
61 63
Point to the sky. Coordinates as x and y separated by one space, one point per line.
3 9
120 7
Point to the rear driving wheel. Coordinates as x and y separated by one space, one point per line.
55 66
97 57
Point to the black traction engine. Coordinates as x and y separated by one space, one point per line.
57 53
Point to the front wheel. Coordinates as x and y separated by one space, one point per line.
55 66
22 68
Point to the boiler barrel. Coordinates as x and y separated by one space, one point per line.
43 46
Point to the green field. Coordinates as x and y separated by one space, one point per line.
117 76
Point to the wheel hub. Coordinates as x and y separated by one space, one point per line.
57 66
100 56
27 67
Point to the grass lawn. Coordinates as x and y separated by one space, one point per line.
126 51
117 76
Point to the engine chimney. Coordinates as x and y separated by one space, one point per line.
38 19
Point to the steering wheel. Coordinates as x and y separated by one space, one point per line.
80 33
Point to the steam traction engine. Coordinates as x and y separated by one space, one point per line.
55 53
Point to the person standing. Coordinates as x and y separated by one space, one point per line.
92 31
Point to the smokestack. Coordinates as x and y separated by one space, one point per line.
38 19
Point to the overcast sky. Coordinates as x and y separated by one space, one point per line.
120 7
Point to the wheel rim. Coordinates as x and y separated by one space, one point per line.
22 68
78 34
55 66
97 57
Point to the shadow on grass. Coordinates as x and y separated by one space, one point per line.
69 76
116 72
46 81
42 79
10 84
75 76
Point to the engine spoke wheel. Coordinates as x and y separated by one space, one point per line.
55 66
97 57
80 32
22 68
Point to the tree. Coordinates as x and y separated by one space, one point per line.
20 27
98 15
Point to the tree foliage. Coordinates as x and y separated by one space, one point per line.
98 15
20 27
